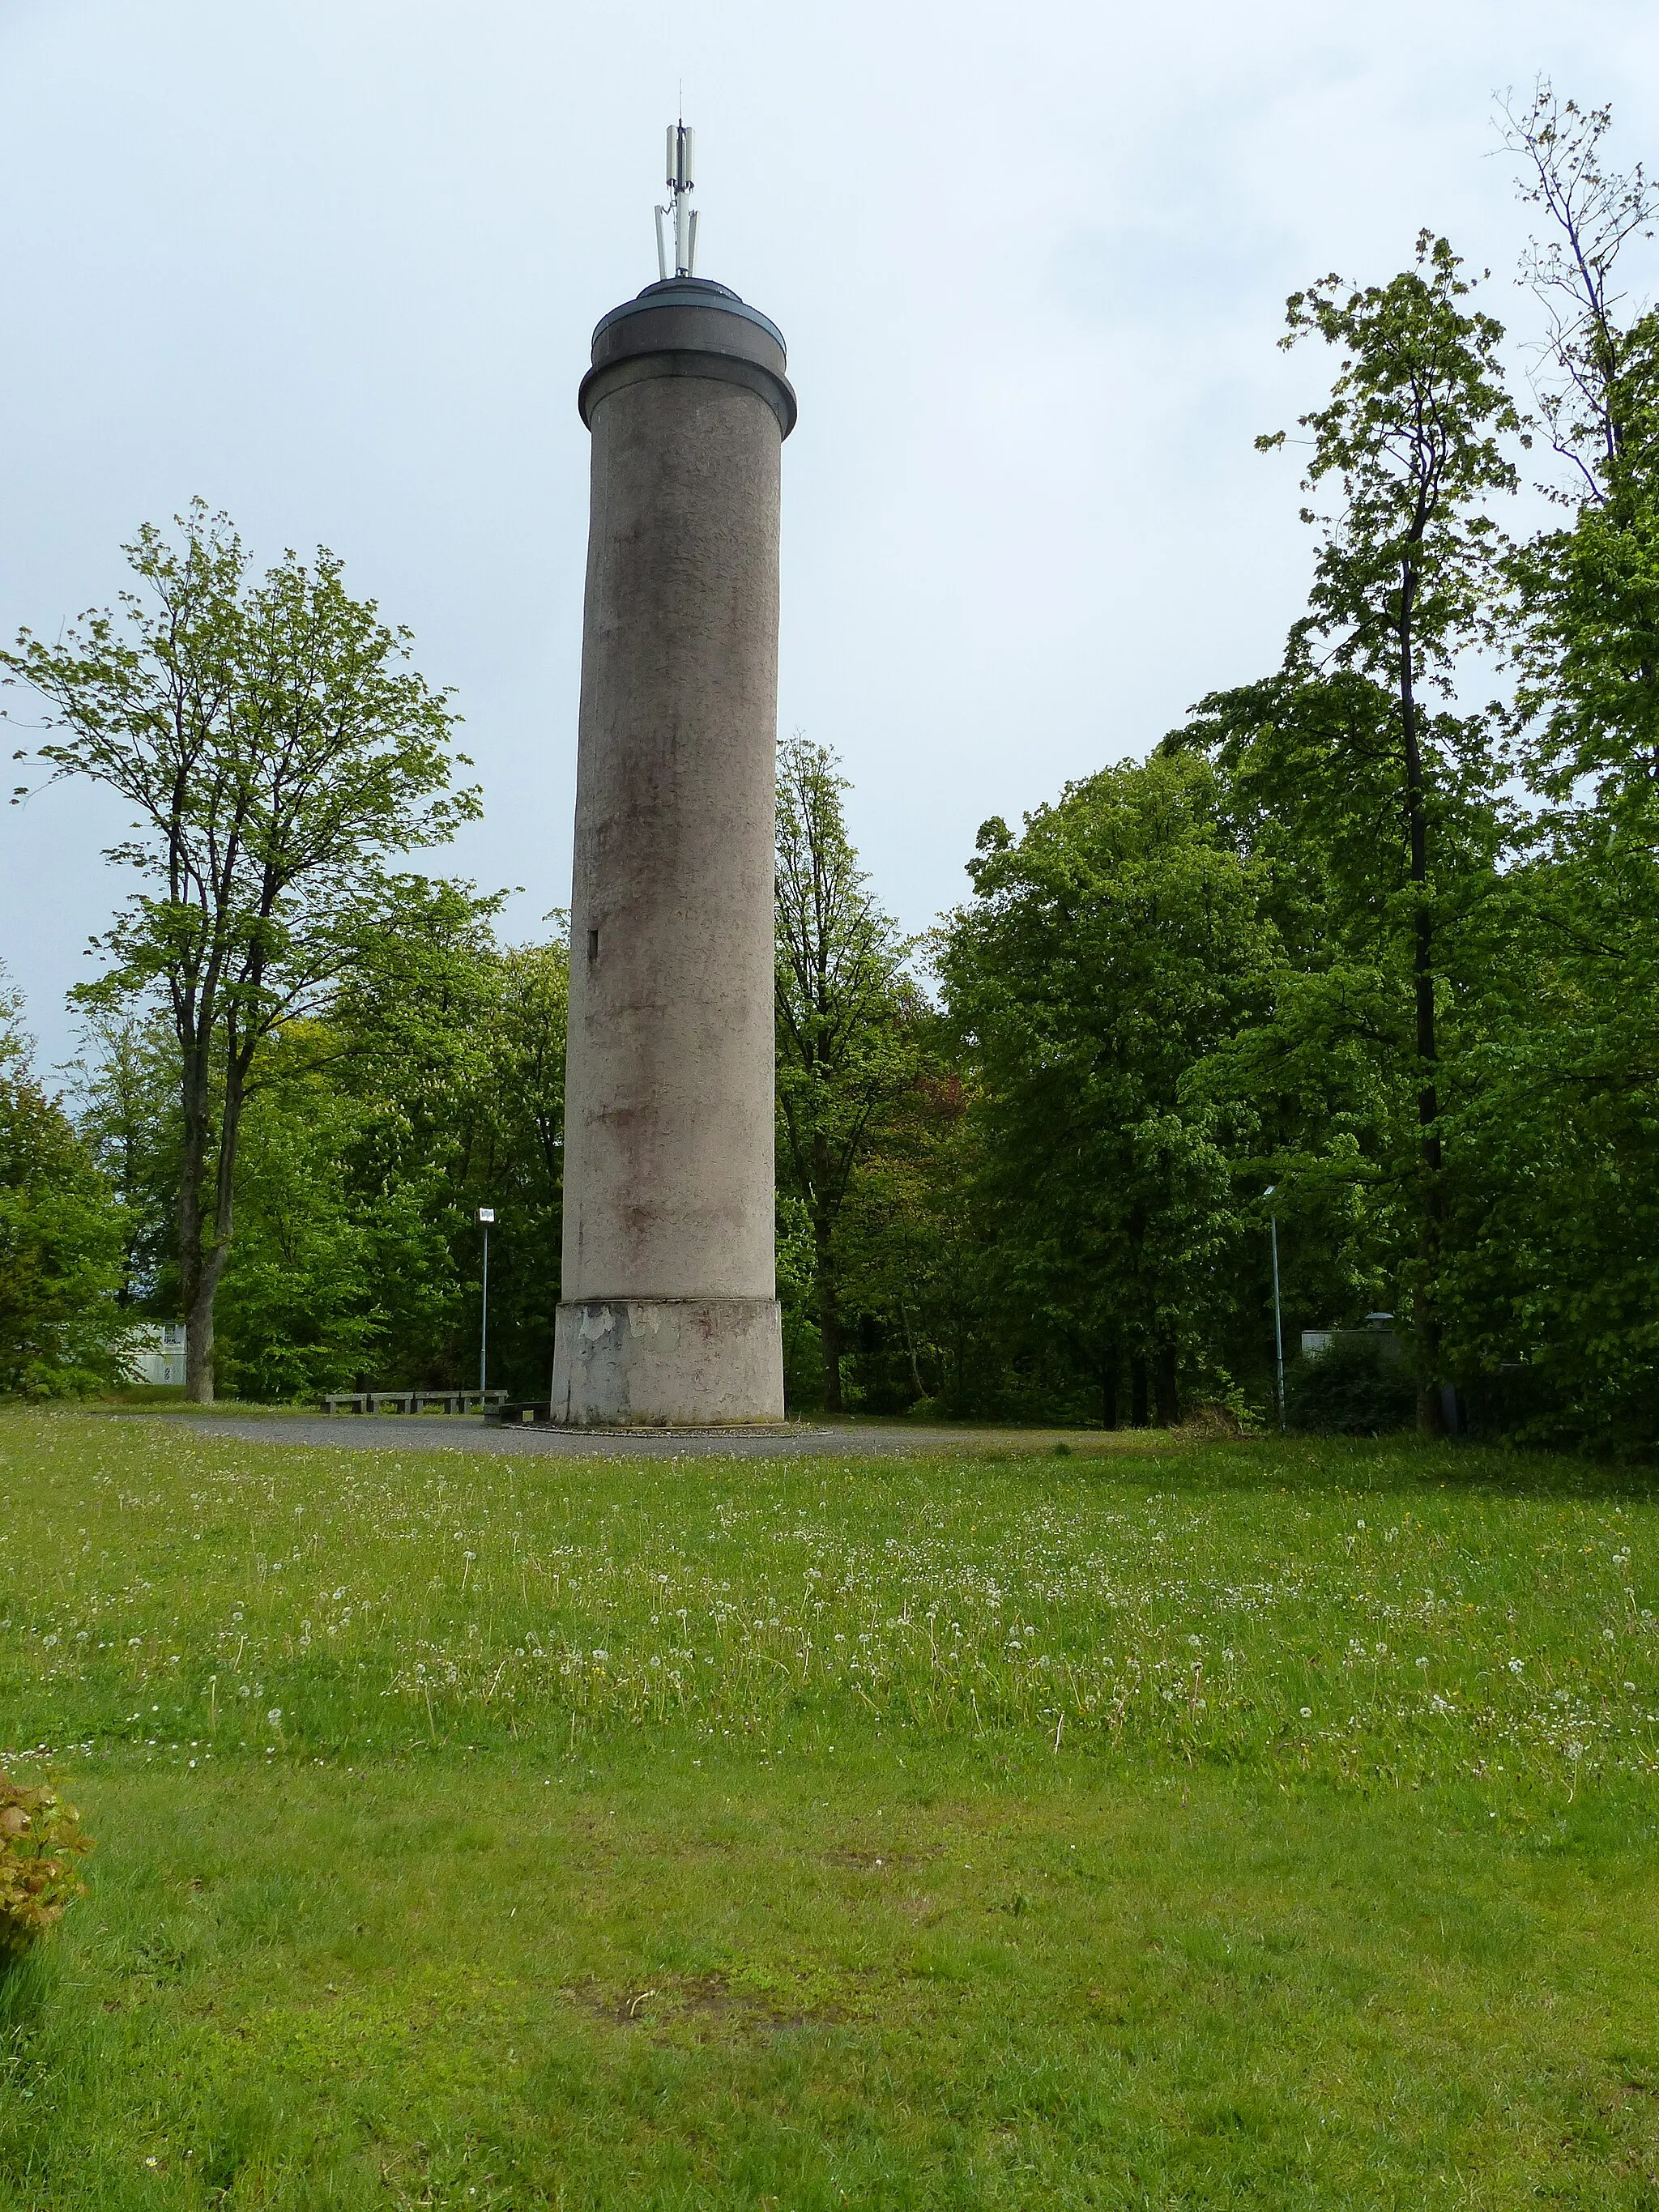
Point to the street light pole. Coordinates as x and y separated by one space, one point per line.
1279 1317
486 1215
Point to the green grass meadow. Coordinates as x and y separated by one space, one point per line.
1163 1823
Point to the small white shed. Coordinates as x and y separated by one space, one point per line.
155 1351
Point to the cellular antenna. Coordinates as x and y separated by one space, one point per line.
682 154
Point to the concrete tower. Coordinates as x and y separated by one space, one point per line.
669 1311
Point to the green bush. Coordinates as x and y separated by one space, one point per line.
1358 1386
41 1843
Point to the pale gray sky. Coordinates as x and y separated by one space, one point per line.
333 265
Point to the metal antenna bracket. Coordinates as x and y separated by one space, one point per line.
682 154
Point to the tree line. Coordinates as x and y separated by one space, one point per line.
1365 947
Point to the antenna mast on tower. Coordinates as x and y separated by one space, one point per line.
682 151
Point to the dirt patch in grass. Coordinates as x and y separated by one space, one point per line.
701 2001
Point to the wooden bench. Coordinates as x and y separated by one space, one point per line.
516 1413
413 1402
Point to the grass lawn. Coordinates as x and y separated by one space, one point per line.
1208 1826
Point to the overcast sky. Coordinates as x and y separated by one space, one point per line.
333 265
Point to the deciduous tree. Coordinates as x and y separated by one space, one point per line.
846 1009
1106 953
61 1238
276 749
1413 437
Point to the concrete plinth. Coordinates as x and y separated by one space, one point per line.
669 1363
670 1312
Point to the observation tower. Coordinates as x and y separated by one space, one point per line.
668 1313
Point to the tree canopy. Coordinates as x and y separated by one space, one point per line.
1362 957
275 750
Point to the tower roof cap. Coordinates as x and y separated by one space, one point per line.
689 326
691 292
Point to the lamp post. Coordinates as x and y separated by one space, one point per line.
486 1216
1279 1317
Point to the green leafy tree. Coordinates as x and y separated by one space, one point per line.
1412 438
458 1062
514 1160
1553 1285
300 1309
124 1099
1553 1280
61 1237
412 1041
847 1017
275 750
932 1335
1108 953
434 1085
1321 1089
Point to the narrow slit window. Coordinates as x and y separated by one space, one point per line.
593 944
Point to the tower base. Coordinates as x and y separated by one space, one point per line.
667 1363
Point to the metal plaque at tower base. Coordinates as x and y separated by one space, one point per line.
668 1363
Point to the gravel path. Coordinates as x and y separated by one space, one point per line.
416 1433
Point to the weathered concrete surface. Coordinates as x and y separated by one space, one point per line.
668 1171
667 1362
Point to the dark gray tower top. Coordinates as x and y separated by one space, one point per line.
689 326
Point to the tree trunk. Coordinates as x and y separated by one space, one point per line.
201 1264
1165 1393
1430 1418
198 1331
910 1348
192 1170
1109 1396
1139 1416
829 1309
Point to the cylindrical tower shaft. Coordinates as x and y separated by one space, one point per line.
669 1311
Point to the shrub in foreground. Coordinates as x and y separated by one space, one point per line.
41 1845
